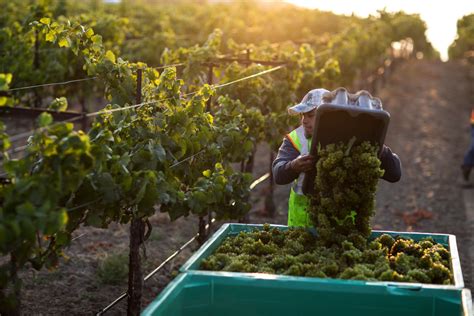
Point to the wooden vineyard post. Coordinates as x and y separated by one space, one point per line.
10 300
16 286
137 230
135 278
202 230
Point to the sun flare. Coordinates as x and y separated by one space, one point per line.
440 17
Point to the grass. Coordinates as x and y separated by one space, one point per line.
113 269
155 236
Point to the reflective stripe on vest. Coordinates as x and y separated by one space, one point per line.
300 142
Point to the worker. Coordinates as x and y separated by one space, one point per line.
293 158
468 162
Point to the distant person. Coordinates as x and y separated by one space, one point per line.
468 162
293 159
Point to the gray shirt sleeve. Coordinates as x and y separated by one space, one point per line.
391 164
283 174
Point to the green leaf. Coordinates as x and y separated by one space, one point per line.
8 78
64 42
28 229
350 216
46 21
141 191
15 228
26 209
160 152
4 143
89 33
62 238
3 101
108 187
58 104
96 39
177 211
51 36
110 56
148 200
5 80
126 182
94 219
2 234
248 146
44 119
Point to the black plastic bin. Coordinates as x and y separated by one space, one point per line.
343 116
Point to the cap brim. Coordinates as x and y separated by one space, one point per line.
300 108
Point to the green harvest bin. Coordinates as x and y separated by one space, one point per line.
197 292
217 293
227 230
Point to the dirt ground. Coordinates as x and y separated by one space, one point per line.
429 103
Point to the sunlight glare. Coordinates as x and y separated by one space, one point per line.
440 16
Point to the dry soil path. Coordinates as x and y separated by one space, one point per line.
430 104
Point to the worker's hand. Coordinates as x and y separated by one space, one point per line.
302 163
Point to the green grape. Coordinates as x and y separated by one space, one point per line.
302 254
345 185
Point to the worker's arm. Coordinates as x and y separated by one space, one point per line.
283 173
391 164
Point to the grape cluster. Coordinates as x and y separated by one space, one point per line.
345 185
299 252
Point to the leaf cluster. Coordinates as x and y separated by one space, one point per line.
167 151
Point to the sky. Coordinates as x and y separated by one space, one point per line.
440 15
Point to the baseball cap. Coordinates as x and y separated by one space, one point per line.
310 101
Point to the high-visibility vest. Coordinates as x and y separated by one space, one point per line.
298 202
472 117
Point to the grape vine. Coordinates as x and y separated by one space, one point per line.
166 151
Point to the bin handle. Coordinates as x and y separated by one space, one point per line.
404 286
